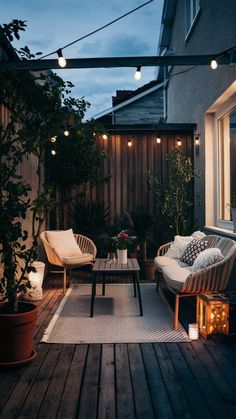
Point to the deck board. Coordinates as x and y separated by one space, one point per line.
116 381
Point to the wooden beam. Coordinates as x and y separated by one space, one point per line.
111 62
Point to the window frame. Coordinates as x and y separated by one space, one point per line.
190 17
225 109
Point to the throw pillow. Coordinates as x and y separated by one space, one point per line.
178 246
192 251
63 241
206 258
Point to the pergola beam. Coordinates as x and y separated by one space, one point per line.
112 62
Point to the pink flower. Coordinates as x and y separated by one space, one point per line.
124 235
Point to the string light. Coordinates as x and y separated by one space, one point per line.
214 64
137 74
53 152
66 133
179 142
158 140
129 143
53 139
61 60
105 136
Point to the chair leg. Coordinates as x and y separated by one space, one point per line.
176 318
64 281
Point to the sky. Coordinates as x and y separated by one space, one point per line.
51 24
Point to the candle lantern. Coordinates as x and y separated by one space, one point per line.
193 331
212 314
36 280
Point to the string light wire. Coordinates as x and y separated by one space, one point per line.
97 30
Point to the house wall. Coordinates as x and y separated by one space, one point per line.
146 110
190 95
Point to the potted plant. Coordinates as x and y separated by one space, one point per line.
141 222
174 197
32 109
122 241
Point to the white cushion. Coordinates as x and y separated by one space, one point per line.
176 276
77 260
178 247
162 261
206 258
64 243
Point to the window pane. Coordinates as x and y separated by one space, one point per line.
227 164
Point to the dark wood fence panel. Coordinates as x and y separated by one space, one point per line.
128 166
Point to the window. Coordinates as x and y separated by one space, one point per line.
226 165
192 8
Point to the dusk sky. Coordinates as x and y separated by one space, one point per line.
51 24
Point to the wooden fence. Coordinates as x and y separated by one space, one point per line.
128 166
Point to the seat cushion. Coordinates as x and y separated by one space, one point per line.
77 260
175 276
163 261
64 243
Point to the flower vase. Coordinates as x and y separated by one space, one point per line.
122 256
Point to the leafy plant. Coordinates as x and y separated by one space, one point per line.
36 110
92 220
141 222
174 198
123 240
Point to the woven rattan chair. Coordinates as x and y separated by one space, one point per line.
213 278
86 246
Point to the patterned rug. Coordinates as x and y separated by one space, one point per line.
116 317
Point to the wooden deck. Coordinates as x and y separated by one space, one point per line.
144 381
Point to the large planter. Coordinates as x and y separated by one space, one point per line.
122 256
148 269
16 335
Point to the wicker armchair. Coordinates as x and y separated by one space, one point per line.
86 246
213 278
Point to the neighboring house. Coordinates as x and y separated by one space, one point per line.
204 97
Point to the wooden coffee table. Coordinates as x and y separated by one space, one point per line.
107 267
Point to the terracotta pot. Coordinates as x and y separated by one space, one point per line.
16 334
148 269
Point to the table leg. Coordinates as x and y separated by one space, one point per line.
134 284
103 284
93 294
139 294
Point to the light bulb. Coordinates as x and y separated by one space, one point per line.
214 64
61 60
158 140
179 142
137 74
129 143
53 152
104 136
66 133
53 139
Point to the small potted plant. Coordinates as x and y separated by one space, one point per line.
122 242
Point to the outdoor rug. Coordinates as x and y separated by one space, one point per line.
116 317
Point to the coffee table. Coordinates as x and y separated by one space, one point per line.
107 267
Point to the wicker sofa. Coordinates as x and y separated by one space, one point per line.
179 279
